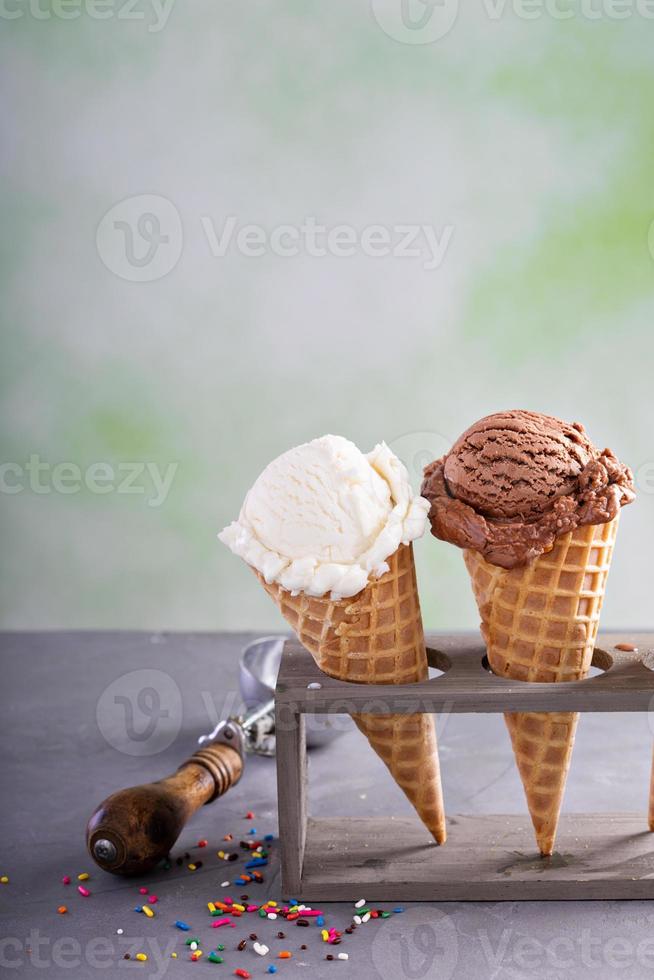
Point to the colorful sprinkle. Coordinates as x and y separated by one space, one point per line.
62 910
142 957
360 903
83 891
214 958
148 911
182 925
284 955
153 899
203 842
65 880
143 891
84 876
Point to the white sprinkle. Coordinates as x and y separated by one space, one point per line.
261 949
224 884
356 919
119 932
366 917
193 945
343 956
360 903
272 915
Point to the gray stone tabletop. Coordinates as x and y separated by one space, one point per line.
74 730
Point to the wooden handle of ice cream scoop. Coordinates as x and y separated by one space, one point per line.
136 828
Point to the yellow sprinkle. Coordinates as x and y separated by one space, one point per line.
221 854
173 956
325 935
4 880
142 957
148 911
83 877
211 906
271 904
192 867
239 908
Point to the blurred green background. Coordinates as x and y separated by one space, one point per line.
526 143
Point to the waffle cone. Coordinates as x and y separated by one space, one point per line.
540 623
376 637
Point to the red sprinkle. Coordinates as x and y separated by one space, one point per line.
249 815
152 899
203 842
143 891
65 880
242 973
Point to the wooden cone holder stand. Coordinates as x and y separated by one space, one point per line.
486 857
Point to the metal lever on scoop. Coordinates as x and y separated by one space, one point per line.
136 828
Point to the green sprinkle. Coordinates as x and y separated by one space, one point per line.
214 958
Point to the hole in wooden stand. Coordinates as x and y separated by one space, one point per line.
438 661
601 662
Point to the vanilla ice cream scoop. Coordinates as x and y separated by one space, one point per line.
324 517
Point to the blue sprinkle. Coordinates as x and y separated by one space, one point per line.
272 969
320 921
256 863
252 830
270 837
293 901
182 926
399 909
240 881
138 908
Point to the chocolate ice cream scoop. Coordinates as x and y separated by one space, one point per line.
516 480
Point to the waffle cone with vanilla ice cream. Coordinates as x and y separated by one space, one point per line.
535 508
328 531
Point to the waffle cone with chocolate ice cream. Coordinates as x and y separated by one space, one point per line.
376 637
536 508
